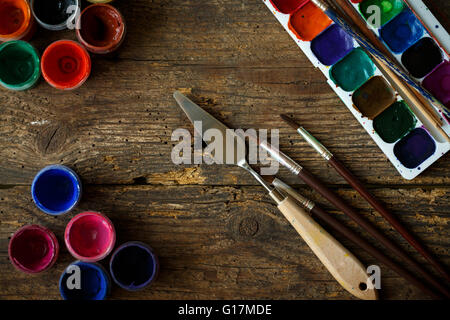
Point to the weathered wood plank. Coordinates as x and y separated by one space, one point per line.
234 59
221 242
231 57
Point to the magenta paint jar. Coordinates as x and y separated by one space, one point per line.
33 249
90 236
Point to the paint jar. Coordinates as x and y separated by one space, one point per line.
102 28
16 20
65 64
55 14
33 249
19 65
133 265
84 281
90 236
56 189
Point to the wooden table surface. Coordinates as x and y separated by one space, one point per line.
217 233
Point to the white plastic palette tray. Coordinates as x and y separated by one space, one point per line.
346 97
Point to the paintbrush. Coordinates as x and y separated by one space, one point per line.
418 104
364 43
362 190
346 232
339 203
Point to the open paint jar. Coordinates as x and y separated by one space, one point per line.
134 265
84 281
19 65
55 14
56 189
16 20
90 236
33 249
65 64
102 28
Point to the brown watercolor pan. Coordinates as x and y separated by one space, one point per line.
373 97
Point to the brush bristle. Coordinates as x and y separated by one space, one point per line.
289 121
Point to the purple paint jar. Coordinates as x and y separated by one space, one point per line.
134 265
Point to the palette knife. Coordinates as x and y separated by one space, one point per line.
342 264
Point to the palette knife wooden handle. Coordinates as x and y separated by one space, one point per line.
342 264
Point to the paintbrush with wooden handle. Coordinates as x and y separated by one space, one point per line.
346 232
365 193
341 263
342 205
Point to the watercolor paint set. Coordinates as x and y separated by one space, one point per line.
361 86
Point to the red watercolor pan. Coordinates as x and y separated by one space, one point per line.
33 249
65 64
102 28
90 236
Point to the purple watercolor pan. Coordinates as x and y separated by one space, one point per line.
438 83
415 148
332 45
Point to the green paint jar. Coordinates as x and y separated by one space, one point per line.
19 65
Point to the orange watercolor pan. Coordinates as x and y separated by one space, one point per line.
308 22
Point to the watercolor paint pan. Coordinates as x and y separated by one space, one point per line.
363 80
411 44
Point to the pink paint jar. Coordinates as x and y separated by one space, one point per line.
33 249
90 236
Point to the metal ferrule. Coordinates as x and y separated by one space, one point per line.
321 4
313 142
286 189
283 159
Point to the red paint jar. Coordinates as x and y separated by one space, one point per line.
16 20
33 249
101 28
90 236
65 64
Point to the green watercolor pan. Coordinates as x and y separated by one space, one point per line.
357 81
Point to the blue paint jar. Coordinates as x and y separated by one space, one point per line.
84 281
56 189
133 266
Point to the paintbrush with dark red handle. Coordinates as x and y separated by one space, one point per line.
362 190
339 203
346 232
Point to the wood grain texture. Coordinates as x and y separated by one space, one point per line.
221 242
214 237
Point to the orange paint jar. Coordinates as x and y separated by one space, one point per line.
16 20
